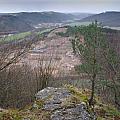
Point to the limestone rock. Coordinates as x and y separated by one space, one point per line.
53 101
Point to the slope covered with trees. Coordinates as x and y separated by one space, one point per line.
100 61
44 17
13 23
111 19
25 21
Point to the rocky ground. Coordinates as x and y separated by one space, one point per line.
57 100
68 103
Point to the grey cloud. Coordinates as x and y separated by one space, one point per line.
59 5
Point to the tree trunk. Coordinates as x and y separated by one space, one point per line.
91 100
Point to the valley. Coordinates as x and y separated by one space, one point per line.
53 63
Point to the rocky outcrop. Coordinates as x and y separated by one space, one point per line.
69 103
58 102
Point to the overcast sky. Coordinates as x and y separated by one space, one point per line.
91 6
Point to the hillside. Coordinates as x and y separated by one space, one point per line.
80 16
24 21
53 53
111 19
13 23
44 17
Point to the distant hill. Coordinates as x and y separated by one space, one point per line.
13 23
111 19
24 21
80 16
44 17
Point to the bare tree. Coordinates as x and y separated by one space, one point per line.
12 53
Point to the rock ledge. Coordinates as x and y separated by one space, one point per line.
56 100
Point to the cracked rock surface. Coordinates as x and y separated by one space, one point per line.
54 99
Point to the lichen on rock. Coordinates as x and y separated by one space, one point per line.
58 101
68 103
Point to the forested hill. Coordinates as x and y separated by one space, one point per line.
13 23
46 17
111 19
25 21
